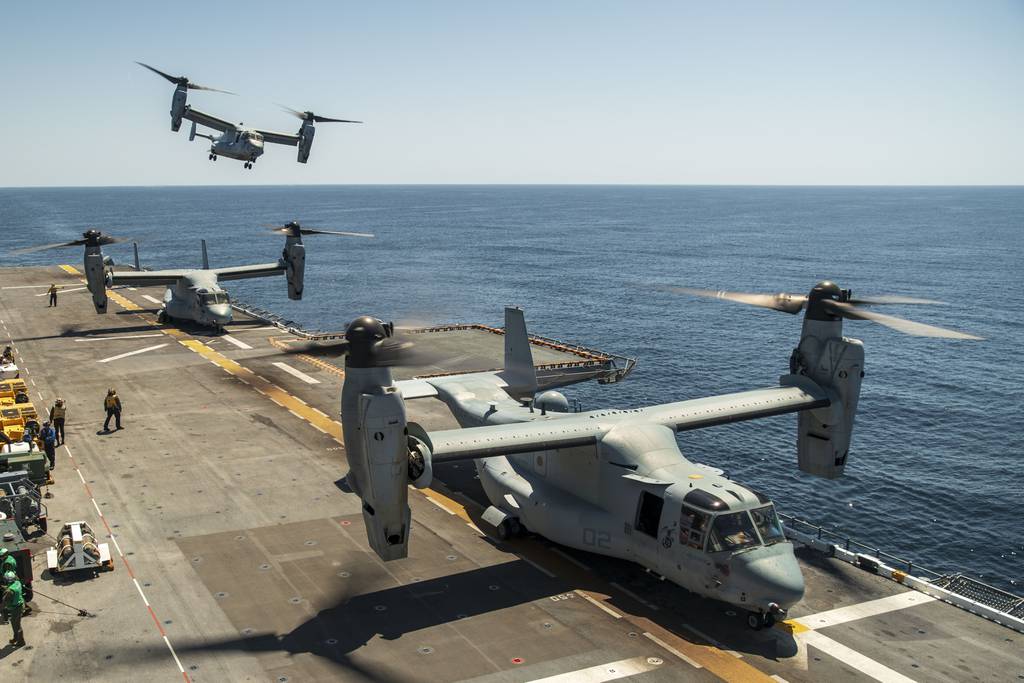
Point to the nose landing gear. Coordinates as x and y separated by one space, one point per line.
760 620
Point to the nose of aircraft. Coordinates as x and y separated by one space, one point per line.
220 314
770 575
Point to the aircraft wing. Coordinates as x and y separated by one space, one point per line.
244 272
146 278
745 405
585 430
208 120
279 138
509 439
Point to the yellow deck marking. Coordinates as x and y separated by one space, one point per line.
70 269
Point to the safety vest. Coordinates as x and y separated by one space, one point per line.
58 412
110 402
9 565
13 599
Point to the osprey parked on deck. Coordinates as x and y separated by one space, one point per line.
612 482
193 293
236 141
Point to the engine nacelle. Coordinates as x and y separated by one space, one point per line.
96 277
377 448
306 133
178 101
294 256
836 364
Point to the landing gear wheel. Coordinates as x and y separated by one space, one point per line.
210 157
162 317
755 620
509 528
769 620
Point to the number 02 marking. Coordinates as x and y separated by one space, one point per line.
598 539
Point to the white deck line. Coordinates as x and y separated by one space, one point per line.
132 353
852 658
671 649
147 297
612 671
63 291
863 610
600 605
296 373
237 342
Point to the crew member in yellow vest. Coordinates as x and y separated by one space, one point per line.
53 295
58 412
112 404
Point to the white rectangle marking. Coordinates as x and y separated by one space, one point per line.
852 658
147 297
863 610
132 353
612 671
671 649
237 342
296 373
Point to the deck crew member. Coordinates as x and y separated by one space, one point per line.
58 413
8 356
112 404
7 562
14 606
49 438
53 294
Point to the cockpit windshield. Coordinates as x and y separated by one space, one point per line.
214 298
767 522
732 531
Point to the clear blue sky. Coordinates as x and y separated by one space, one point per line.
523 92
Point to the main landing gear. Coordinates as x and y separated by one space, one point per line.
249 163
212 157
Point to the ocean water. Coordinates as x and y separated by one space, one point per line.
935 471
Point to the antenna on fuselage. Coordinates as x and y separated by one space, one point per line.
206 259
135 248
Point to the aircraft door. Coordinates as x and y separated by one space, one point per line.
649 529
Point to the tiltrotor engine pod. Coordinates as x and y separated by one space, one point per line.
383 457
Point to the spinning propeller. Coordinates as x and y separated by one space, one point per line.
828 299
90 238
183 81
294 229
310 116
370 343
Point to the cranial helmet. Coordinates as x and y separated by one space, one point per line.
10 577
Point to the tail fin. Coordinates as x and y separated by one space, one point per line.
519 372
135 248
206 259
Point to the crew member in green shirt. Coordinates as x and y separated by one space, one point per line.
14 606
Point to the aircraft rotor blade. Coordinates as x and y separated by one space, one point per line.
314 231
899 324
42 247
886 299
183 80
787 303
310 116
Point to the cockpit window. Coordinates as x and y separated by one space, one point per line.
208 299
731 532
767 522
692 527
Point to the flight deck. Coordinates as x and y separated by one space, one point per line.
238 557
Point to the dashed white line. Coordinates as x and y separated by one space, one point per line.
147 297
439 505
612 671
671 649
536 566
570 558
132 353
600 605
634 596
98 511
237 342
126 336
139 588
296 373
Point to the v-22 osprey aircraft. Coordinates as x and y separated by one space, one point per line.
194 294
236 141
612 482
